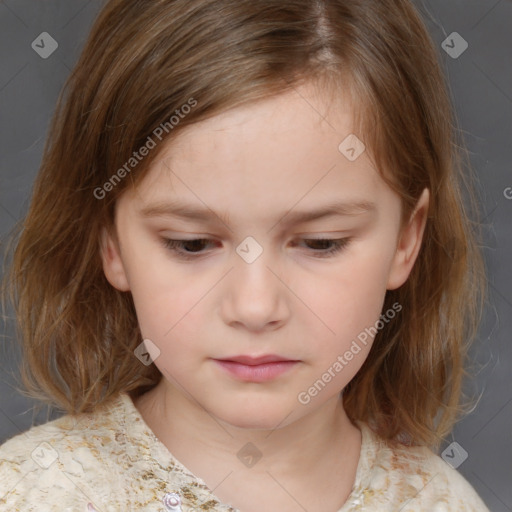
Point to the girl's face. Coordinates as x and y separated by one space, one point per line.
262 184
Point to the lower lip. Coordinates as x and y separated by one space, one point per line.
256 373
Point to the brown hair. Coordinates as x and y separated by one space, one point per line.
142 62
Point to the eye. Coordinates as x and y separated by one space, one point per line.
325 247
193 249
186 249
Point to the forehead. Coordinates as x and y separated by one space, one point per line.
305 110
279 151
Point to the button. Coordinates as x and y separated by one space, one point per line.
172 502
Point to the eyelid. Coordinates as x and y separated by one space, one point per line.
339 244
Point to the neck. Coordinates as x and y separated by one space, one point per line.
304 443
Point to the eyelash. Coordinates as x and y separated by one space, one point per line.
176 246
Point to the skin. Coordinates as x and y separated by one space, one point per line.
251 166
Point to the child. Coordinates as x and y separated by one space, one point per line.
247 275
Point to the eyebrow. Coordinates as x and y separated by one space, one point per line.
204 214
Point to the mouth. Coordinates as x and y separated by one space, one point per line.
254 361
256 369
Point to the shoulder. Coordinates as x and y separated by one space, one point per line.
109 459
437 485
413 478
51 464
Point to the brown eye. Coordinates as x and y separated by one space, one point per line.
326 246
187 249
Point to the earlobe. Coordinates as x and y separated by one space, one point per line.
113 265
409 244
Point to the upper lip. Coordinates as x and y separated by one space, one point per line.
253 361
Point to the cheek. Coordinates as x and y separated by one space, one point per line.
163 293
169 317
165 309
349 298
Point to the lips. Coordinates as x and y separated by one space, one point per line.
254 361
256 369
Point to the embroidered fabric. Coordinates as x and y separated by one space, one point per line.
110 460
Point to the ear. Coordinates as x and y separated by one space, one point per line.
113 265
409 243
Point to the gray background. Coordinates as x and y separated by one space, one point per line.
481 87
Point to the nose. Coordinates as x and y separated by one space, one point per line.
255 296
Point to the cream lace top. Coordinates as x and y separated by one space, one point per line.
111 461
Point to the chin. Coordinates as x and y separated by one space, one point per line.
252 423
